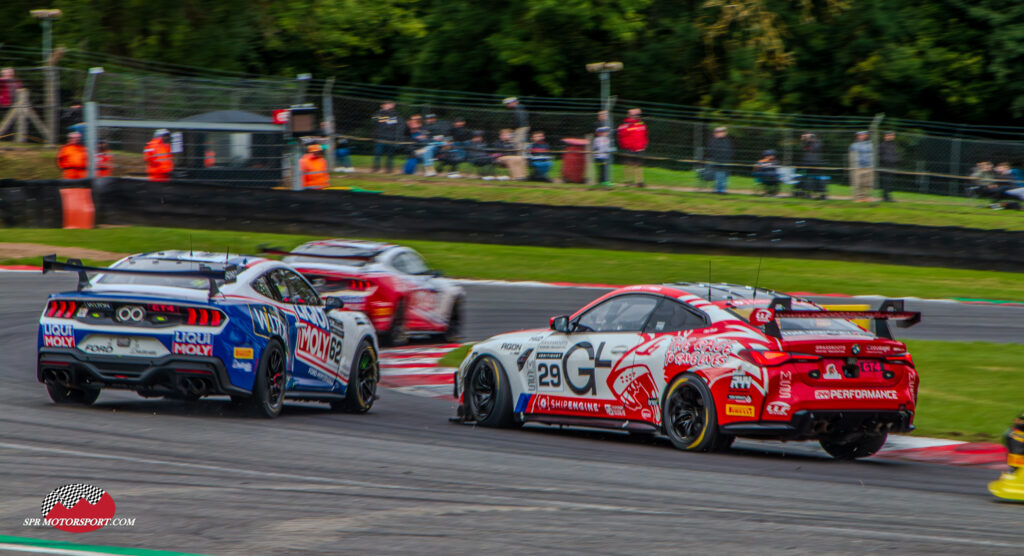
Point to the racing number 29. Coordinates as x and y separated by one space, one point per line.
549 375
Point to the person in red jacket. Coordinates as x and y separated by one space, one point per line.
632 139
104 161
73 158
159 160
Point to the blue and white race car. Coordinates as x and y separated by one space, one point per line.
185 325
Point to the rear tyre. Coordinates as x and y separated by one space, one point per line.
488 394
362 381
66 395
855 448
454 330
689 418
268 388
397 335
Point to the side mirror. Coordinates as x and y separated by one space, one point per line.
331 303
435 273
560 324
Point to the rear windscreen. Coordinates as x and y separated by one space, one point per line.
157 280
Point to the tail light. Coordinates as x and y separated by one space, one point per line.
900 359
203 317
358 285
763 358
60 309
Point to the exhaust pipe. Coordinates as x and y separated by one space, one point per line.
195 386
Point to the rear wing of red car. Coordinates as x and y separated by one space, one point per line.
51 264
364 256
889 310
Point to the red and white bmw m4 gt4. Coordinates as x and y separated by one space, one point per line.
702 364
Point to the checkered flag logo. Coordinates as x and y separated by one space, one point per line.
69 495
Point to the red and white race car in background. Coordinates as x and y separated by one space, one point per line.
703 364
390 283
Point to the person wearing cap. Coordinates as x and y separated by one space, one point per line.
73 159
632 141
158 157
720 157
810 184
766 172
313 168
520 121
603 154
888 159
862 167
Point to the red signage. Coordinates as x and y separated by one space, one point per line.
281 116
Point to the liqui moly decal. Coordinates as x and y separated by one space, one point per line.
192 343
59 335
312 315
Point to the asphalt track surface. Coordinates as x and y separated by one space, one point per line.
206 478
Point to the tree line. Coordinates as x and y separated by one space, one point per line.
947 60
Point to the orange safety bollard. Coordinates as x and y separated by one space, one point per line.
79 212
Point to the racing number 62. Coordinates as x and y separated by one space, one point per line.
549 375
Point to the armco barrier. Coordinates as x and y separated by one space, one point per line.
340 213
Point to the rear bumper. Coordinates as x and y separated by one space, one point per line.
815 424
169 372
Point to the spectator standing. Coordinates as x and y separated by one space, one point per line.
159 161
720 156
73 159
520 121
632 140
539 156
313 168
810 159
603 120
862 167
9 85
343 156
602 154
888 159
387 134
509 154
104 160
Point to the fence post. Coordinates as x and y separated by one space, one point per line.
875 124
589 160
91 137
327 104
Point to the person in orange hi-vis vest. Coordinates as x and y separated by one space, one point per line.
209 157
313 167
104 161
73 158
159 161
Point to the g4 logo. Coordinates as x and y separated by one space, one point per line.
585 374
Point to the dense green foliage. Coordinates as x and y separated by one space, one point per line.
929 59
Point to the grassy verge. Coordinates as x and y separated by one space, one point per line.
510 262
969 390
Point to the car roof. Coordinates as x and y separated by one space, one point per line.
196 257
722 291
666 290
355 244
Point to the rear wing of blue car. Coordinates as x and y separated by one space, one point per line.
51 264
890 309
